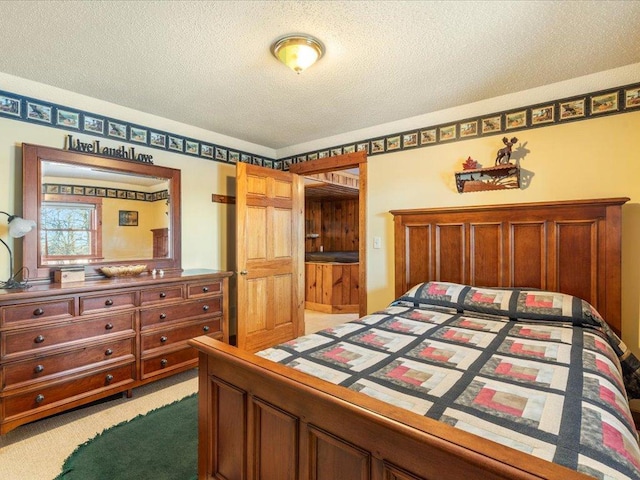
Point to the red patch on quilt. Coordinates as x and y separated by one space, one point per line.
538 301
612 438
466 323
482 297
489 398
400 373
436 354
457 336
339 354
527 332
437 290
508 370
524 349
373 339
399 327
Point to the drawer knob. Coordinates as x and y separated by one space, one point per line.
205 328
108 302
163 316
163 295
39 369
108 326
39 339
205 289
163 338
108 352
164 362
38 311
39 398
108 378
205 308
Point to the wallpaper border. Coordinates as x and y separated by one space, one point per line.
611 101
32 110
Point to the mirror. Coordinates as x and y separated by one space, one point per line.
96 211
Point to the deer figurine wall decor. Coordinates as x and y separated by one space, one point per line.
504 154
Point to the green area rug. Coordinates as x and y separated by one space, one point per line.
161 445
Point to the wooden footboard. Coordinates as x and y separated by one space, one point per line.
262 420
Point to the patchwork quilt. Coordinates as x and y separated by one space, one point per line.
537 371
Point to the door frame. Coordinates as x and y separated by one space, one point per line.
343 162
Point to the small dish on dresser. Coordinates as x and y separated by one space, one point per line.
123 270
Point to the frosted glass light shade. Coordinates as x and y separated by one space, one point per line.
19 227
298 52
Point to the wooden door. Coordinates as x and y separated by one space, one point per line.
269 256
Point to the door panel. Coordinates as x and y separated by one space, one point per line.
270 256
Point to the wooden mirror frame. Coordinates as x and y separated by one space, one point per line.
32 157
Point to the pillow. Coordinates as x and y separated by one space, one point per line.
508 302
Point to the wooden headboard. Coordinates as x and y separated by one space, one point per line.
572 247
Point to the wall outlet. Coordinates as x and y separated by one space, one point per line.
377 242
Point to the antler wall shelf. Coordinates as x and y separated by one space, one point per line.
490 178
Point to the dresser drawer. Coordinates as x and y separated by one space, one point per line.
173 313
105 303
171 361
53 365
41 338
159 295
164 337
48 396
59 308
196 290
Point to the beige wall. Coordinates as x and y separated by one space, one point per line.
589 159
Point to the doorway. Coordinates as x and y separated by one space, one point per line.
339 280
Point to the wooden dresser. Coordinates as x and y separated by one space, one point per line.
62 346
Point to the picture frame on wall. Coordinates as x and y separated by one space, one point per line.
348 149
68 119
410 140
158 139
447 133
427 136
363 147
192 147
128 218
540 115
175 143
572 109
10 106
631 98
377 146
39 112
93 124
469 129
491 124
206 151
138 135
393 143
607 102
117 130
515 120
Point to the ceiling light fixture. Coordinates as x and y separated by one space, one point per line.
298 52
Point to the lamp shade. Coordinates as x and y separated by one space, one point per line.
19 227
298 52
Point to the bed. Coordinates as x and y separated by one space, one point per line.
521 355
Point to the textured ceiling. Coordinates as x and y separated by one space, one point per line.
208 64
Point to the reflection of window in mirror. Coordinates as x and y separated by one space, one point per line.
70 231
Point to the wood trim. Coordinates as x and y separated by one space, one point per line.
342 162
338 162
